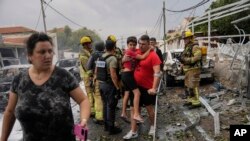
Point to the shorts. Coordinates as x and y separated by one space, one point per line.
128 81
145 98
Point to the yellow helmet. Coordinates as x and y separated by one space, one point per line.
112 38
85 39
187 34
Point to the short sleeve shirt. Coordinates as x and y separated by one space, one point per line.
111 62
144 73
45 111
130 64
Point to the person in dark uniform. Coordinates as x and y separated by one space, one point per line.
153 43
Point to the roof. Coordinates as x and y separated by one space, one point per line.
15 41
15 29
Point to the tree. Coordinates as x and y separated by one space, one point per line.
69 40
223 25
67 31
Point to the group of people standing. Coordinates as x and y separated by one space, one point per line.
135 74
40 96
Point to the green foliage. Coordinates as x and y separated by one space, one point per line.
67 31
223 25
69 40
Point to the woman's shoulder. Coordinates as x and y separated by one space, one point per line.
61 71
22 73
21 76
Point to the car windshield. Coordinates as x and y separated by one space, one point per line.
67 63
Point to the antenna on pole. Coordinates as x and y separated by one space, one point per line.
164 26
44 22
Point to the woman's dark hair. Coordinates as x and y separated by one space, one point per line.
35 38
132 39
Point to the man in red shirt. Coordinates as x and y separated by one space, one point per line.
147 76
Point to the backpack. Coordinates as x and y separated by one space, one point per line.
102 70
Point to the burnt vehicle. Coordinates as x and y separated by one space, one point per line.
8 61
6 76
71 65
173 67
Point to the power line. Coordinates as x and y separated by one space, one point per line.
156 24
38 18
63 15
190 16
190 8
176 18
40 13
159 29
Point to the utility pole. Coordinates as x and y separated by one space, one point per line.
209 29
44 23
122 43
164 26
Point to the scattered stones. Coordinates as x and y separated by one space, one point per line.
231 102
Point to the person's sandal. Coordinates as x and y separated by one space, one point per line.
125 119
138 119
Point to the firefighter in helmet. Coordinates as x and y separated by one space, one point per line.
98 104
86 75
118 51
191 60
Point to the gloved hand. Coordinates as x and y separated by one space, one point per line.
181 59
185 60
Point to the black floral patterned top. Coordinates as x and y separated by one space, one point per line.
44 111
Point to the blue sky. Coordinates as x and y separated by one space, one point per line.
119 17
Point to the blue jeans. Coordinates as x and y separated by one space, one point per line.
108 92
